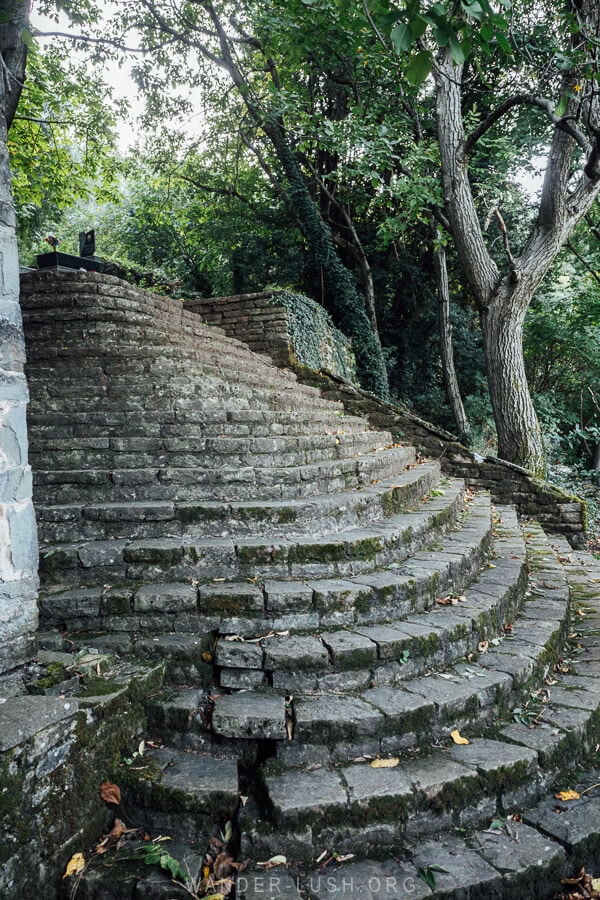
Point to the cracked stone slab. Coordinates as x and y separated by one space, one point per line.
401 707
350 650
437 779
466 875
527 860
502 762
295 652
251 716
576 825
369 880
301 797
323 719
206 780
366 785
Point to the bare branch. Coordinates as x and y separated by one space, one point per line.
583 262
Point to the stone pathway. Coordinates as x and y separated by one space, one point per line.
320 600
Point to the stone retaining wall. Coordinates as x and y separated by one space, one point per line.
18 536
290 328
556 510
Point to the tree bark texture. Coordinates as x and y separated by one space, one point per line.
446 345
503 298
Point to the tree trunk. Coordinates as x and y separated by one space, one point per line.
517 426
503 299
596 458
447 350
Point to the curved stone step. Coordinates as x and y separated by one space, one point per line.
328 513
209 559
242 453
246 609
353 658
226 483
358 808
210 422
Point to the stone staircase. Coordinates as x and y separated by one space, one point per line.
328 608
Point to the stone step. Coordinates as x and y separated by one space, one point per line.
227 483
184 794
356 657
194 376
329 513
206 423
364 810
249 609
137 452
397 716
350 552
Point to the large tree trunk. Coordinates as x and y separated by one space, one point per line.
446 346
518 429
503 299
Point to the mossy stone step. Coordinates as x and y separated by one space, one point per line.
226 483
156 518
352 807
182 792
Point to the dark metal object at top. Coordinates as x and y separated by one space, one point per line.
87 243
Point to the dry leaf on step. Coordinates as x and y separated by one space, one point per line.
75 865
385 763
457 737
273 862
110 793
567 795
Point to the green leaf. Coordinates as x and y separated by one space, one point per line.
418 25
402 37
561 109
419 68
456 51
27 38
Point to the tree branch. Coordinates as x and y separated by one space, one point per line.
583 262
562 123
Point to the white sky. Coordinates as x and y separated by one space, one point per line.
117 76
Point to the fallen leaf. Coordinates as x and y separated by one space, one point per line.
273 862
457 738
567 795
243 799
345 858
75 865
385 763
482 646
110 793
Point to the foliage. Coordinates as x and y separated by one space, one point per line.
316 343
62 140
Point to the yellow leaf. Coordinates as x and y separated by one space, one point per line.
215 897
567 795
456 737
596 884
75 865
385 763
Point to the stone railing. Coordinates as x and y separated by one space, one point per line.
556 510
290 328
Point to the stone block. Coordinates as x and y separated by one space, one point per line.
307 797
165 598
250 716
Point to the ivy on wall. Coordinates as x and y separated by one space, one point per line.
315 341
